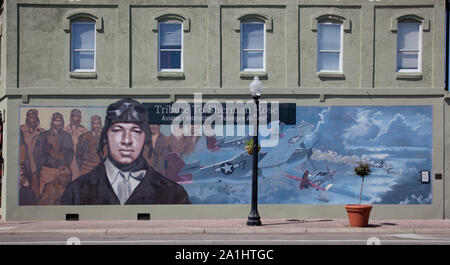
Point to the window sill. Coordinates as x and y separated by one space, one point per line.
409 76
251 74
170 75
83 75
331 75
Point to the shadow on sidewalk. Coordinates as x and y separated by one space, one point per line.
377 225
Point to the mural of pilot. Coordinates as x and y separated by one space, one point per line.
123 176
184 145
86 151
53 190
53 152
26 194
29 132
159 148
75 128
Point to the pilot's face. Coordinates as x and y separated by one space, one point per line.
154 128
33 119
96 125
76 117
125 142
57 123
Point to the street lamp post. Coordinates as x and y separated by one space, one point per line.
254 219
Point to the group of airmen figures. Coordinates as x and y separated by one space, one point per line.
51 159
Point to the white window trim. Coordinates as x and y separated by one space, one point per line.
419 52
341 51
182 48
263 69
72 50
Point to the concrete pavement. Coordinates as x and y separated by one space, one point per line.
217 226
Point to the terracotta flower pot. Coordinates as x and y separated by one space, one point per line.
358 215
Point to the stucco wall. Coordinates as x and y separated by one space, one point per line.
44 48
144 47
39 56
351 47
275 47
386 49
36 71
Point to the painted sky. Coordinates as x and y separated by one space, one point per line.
395 140
327 142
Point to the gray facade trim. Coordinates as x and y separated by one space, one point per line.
68 17
345 20
331 75
242 18
409 76
82 75
170 75
394 21
251 74
281 92
178 15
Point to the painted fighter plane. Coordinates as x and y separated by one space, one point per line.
301 154
214 144
290 149
323 176
296 138
306 183
234 169
384 166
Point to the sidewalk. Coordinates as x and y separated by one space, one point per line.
230 226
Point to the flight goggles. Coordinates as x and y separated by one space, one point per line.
137 111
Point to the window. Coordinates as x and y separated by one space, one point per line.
253 46
329 42
170 46
409 46
82 46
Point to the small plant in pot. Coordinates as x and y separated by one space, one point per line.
249 147
358 215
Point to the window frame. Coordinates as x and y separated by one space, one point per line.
341 51
419 51
181 69
264 50
72 50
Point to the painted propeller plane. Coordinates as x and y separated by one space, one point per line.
234 169
309 183
214 144
383 165
305 182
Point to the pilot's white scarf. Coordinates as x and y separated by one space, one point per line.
113 174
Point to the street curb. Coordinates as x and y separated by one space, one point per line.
432 230
55 231
312 230
122 231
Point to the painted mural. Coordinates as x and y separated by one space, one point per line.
111 155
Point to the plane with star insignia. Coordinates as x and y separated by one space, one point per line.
235 169
215 144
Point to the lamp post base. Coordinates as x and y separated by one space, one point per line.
254 221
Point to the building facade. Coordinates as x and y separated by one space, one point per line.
356 81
